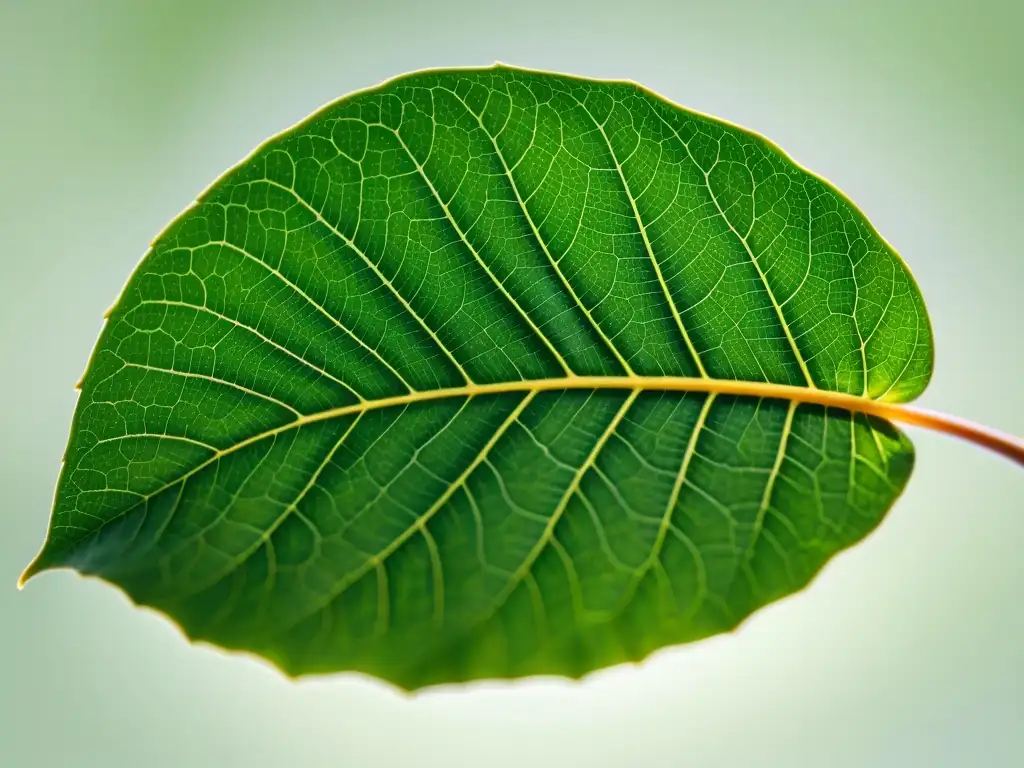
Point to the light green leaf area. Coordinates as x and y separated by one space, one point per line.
425 388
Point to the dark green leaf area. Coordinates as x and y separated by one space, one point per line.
325 548
280 444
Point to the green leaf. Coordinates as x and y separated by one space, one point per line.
491 373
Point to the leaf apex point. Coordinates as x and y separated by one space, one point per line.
26 575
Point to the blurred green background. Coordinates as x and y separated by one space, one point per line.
906 651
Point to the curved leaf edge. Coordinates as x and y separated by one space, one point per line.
266 658
41 562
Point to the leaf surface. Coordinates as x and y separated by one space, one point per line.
430 387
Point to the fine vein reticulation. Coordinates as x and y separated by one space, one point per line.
490 373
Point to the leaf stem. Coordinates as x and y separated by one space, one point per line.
1000 442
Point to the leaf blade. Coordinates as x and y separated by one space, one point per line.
351 265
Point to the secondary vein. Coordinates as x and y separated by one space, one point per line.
650 250
540 240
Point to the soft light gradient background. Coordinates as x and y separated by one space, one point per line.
907 651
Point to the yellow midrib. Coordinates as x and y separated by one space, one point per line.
1007 445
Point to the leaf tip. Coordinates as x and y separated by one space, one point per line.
41 562
27 574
